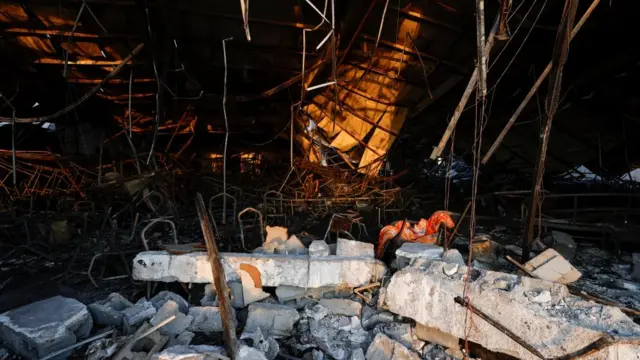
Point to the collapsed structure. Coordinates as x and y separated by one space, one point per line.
383 181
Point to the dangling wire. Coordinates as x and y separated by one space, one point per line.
226 127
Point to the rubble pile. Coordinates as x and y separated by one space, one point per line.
291 301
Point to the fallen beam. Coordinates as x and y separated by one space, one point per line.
275 270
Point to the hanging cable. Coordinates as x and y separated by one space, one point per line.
226 127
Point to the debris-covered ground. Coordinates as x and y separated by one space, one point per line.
300 298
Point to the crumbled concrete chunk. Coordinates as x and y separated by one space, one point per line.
266 344
419 255
137 314
319 248
357 354
40 328
453 256
551 266
175 326
109 311
286 293
184 338
191 352
561 326
276 233
484 249
354 248
206 319
209 297
342 306
402 333
248 353
384 348
164 296
275 319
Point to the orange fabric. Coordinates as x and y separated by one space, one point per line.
423 232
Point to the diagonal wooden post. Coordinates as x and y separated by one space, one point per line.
219 279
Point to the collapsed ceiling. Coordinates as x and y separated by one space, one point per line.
198 71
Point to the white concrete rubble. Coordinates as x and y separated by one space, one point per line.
175 326
274 319
551 266
248 353
342 306
562 326
420 255
191 352
346 247
453 256
40 328
266 344
384 348
163 296
275 270
109 311
135 315
206 319
357 354
319 248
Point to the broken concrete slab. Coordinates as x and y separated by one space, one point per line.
551 266
43 327
206 319
275 270
319 248
135 315
384 348
164 296
275 319
409 253
346 247
109 311
342 306
191 352
184 338
357 354
562 326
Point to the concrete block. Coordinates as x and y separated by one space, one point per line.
109 311
420 255
557 328
191 352
286 293
319 248
346 247
551 266
177 325
276 233
135 315
248 353
274 319
40 328
266 344
484 249
164 296
206 319
275 270
453 256
384 348
342 306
